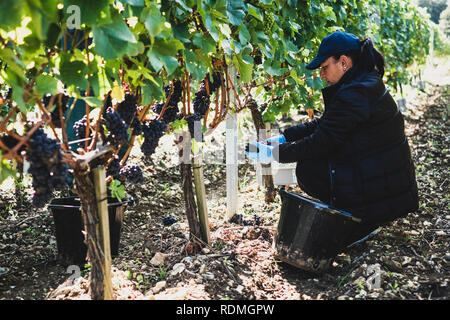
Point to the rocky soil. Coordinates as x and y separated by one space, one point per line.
155 260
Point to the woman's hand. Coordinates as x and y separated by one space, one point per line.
259 152
276 140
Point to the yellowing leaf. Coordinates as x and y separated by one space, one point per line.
117 93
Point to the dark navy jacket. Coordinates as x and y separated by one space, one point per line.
356 156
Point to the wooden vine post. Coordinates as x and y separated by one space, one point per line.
200 193
184 145
102 205
96 238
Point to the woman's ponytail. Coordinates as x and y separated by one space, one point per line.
370 58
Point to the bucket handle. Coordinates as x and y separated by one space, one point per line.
342 213
325 206
67 206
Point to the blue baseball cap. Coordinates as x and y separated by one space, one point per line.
338 42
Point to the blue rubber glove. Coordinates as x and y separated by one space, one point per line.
262 155
276 140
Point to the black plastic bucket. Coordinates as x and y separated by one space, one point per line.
69 225
311 233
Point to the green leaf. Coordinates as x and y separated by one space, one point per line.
53 35
117 190
254 11
315 83
245 69
115 39
119 29
153 20
45 83
92 101
134 49
163 53
5 169
181 32
11 13
235 12
155 61
17 96
151 90
74 73
179 125
195 66
184 5
106 46
273 69
244 35
170 63
211 26
206 43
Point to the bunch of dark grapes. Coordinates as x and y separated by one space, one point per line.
127 110
117 128
201 100
176 93
191 120
79 127
132 173
46 167
153 131
56 120
114 168
258 59
171 112
216 83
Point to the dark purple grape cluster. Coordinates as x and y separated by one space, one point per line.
114 168
132 173
171 112
127 109
79 127
201 100
56 120
216 83
117 128
176 94
192 120
153 131
46 167
258 59
169 115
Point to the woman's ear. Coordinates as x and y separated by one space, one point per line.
345 62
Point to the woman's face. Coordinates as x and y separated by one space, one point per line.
332 70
